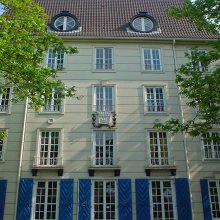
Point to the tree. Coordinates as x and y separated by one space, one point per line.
24 42
199 83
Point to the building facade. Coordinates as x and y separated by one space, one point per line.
98 157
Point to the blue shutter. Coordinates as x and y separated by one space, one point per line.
66 199
205 199
124 199
3 186
183 199
84 199
142 199
25 199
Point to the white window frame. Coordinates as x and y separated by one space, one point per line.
116 197
50 162
60 56
162 200
159 161
104 109
46 196
154 106
5 98
151 60
105 66
213 201
3 146
211 146
51 105
200 67
93 153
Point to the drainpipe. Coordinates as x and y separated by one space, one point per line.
21 155
182 120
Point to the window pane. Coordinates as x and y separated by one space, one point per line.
155 100
104 200
214 190
4 100
49 148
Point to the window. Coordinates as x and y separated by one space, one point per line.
104 98
54 104
45 201
211 147
152 59
104 148
154 99
5 100
214 190
159 152
162 200
2 145
143 23
49 148
104 59
104 201
199 66
64 22
55 60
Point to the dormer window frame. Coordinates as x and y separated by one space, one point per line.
144 17
65 15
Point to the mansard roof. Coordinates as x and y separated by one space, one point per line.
110 18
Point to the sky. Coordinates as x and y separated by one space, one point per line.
1 10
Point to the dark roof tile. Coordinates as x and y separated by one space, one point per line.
110 18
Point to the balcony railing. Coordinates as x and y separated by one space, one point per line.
47 162
103 162
104 66
160 162
1 156
52 108
155 164
212 155
4 108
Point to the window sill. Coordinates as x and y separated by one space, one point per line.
103 71
171 168
59 169
210 160
115 169
156 113
5 113
51 113
152 72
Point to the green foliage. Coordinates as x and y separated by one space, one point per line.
197 80
3 135
24 42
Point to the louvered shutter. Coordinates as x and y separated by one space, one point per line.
66 199
206 199
142 199
124 199
84 199
3 186
25 199
183 199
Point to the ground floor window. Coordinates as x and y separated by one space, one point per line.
162 195
45 200
104 200
214 190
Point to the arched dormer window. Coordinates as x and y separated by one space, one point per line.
64 22
143 23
